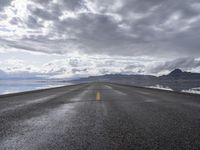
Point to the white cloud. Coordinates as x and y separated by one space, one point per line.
83 37
72 65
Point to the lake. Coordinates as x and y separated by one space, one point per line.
15 86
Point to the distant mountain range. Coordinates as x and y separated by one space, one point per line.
177 79
176 74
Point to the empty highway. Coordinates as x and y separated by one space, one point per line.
100 116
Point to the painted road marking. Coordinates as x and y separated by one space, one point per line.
98 96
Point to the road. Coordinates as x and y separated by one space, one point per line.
100 116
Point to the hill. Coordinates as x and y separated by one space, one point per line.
177 80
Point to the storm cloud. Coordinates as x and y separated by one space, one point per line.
4 3
165 30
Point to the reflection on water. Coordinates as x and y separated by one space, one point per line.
192 90
14 86
160 87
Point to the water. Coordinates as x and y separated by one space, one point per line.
157 86
193 90
190 90
15 86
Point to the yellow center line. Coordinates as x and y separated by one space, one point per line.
98 96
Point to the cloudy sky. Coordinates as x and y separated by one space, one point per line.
75 38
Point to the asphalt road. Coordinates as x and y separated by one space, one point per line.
100 116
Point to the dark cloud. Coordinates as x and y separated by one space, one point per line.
71 4
98 33
148 34
49 12
4 3
43 2
153 28
32 22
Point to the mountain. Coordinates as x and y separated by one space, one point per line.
176 80
118 78
175 72
178 74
